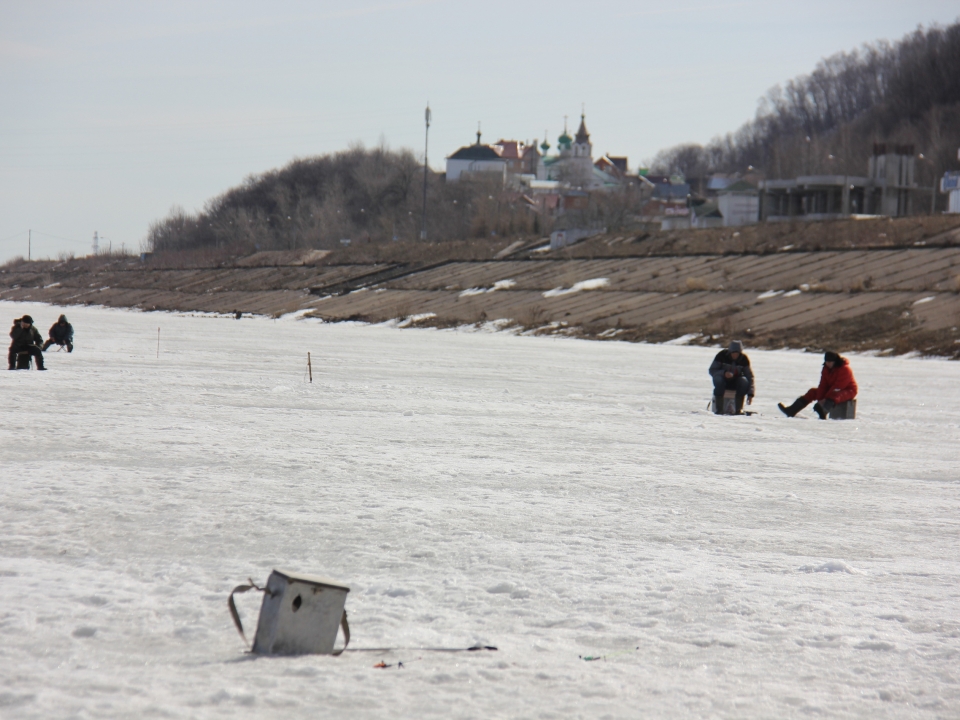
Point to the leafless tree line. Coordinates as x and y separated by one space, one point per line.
905 93
364 195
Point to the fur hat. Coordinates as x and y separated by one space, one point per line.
735 346
27 319
831 356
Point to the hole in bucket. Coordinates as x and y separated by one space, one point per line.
297 602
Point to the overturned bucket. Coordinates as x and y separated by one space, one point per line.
299 615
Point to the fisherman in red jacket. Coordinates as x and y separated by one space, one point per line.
837 385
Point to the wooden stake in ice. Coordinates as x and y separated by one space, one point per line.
309 367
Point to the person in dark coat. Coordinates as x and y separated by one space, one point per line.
837 385
25 339
731 370
61 333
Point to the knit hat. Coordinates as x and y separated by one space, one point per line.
27 319
735 346
830 356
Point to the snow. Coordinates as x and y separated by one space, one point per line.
683 339
498 285
769 294
592 284
413 319
556 498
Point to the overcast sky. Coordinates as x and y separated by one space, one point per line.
113 112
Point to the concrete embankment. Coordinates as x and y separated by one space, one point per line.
889 299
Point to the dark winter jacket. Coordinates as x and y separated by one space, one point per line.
837 384
723 363
61 332
22 339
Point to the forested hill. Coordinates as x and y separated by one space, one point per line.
362 195
902 93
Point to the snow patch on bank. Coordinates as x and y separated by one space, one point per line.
683 339
584 285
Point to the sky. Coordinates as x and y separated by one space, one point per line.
115 112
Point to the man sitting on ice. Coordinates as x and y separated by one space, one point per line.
731 370
837 385
26 339
61 333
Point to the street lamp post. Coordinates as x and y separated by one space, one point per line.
933 188
426 141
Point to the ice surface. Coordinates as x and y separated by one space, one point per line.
556 498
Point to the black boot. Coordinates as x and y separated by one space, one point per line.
798 405
818 409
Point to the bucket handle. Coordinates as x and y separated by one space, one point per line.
344 625
233 606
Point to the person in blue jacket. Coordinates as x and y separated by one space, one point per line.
731 370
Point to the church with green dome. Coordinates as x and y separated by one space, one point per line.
572 166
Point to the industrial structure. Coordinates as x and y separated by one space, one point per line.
887 190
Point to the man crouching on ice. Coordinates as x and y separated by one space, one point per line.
731 370
25 339
837 385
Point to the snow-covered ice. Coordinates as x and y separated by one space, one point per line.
556 498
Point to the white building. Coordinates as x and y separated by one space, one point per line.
739 204
475 159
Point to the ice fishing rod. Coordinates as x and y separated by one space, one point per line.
473 648
591 658
400 664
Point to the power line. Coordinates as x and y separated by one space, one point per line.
15 235
57 237
40 232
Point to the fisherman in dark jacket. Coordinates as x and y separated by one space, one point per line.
25 339
731 370
61 333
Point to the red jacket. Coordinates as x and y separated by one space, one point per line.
837 384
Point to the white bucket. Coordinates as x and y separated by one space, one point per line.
300 615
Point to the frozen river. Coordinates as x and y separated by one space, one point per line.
552 497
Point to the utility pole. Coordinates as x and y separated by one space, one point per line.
96 243
933 190
426 141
